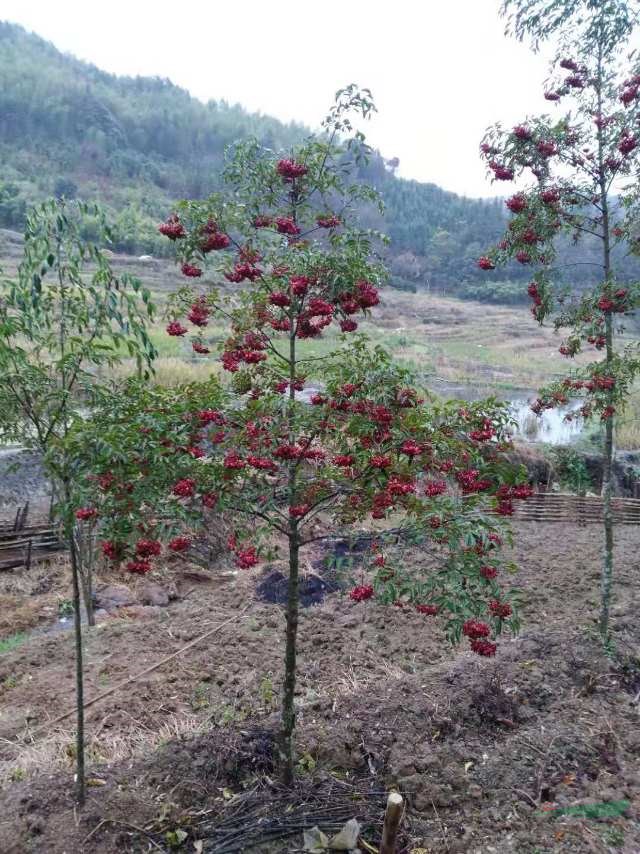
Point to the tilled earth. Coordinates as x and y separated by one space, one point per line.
536 750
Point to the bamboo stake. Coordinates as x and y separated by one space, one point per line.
392 818
139 675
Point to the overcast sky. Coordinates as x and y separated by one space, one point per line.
440 70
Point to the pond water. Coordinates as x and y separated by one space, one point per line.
550 426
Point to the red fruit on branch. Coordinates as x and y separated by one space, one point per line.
246 558
200 348
148 548
435 487
576 81
486 263
483 647
112 550
286 225
139 567
627 144
343 460
501 173
569 64
216 241
475 629
411 448
319 307
279 298
191 271
179 544
233 461
380 461
176 329
328 221
517 203
210 416
367 294
290 170
199 314
86 513
550 196
547 148
629 95
348 325
522 133
361 593
299 285
172 228
297 511
184 488
502 610
428 610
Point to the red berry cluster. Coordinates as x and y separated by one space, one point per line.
289 169
179 544
172 228
361 593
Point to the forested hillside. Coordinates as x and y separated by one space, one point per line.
139 144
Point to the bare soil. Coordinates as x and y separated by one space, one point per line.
489 753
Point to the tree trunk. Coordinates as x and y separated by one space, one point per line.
607 566
288 695
87 591
606 578
86 556
77 626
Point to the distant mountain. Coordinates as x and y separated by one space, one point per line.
139 144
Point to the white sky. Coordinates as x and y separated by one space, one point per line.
440 70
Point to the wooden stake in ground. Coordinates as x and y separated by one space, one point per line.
392 818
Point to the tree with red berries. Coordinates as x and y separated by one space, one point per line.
66 315
573 171
298 449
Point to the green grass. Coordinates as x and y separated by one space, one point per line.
11 642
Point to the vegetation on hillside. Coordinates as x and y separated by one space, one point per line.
137 145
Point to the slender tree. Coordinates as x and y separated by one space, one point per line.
309 440
65 315
580 164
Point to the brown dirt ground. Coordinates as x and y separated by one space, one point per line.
482 748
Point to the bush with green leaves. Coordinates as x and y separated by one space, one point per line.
66 315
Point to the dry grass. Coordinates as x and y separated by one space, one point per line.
56 752
29 599
628 424
172 370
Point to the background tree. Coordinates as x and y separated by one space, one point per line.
579 163
65 315
360 454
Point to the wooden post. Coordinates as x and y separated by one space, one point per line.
392 818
